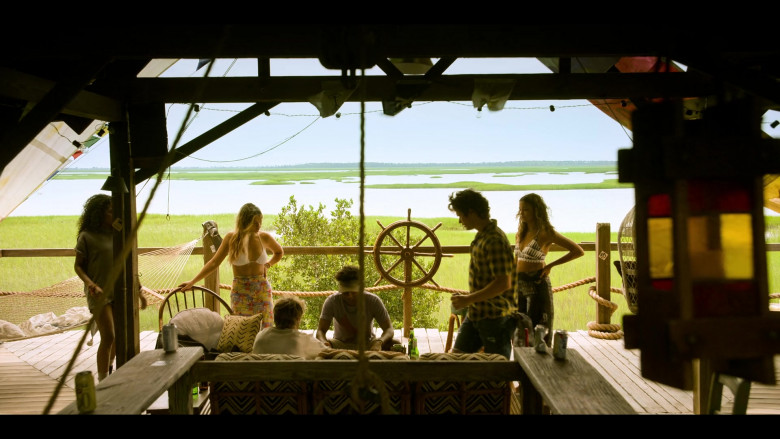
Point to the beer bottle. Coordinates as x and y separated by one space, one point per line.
412 341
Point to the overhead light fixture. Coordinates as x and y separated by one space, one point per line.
391 108
115 184
492 92
330 99
412 66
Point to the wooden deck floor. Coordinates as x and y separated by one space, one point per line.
29 370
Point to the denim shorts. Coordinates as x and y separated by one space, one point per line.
495 335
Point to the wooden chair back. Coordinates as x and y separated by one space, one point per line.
198 297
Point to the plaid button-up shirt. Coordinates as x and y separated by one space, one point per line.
491 256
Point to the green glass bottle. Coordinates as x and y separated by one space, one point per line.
413 351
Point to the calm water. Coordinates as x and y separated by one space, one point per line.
572 210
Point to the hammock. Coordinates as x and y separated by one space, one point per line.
62 306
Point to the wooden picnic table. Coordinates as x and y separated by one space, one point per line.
570 386
139 382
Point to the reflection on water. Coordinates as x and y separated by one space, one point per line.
571 210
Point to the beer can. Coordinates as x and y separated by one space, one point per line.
85 392
170 338
560 339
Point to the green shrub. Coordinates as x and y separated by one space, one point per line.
307 226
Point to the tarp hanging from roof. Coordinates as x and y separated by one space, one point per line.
50 152
39 161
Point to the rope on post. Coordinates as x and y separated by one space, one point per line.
604 331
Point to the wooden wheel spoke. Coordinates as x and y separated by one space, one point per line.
420 241
390 235
406 253
420 267
393 266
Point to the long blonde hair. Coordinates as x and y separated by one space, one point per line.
242 232
541 214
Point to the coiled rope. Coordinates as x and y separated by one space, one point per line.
604 331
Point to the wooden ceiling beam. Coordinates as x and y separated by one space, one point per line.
445 88
203 140
30 88
51 104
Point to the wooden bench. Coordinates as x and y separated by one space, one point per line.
139 382
570 386
416 386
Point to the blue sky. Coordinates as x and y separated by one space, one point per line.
430 132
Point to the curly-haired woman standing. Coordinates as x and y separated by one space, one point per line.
94 258
534 237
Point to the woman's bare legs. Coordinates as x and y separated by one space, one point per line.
107 349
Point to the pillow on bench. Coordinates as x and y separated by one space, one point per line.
239 332
350 354
459 356
243 356
200 324
456 397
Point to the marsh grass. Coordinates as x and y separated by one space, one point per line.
284 176
574 308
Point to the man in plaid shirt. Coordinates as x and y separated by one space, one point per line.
492 302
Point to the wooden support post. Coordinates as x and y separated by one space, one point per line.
407 299
603 267
702 373
126 287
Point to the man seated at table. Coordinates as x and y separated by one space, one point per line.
284 337
342 307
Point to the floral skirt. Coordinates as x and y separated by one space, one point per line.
252 295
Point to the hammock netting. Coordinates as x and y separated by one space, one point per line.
62 306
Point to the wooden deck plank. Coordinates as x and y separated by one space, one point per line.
625 376
677 397
24 389
434 340
638 394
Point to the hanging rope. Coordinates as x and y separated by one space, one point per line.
366 386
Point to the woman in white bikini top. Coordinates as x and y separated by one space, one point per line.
245 247
242 259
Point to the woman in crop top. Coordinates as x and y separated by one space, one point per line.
535 235
246 248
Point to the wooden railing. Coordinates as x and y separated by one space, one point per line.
325 250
